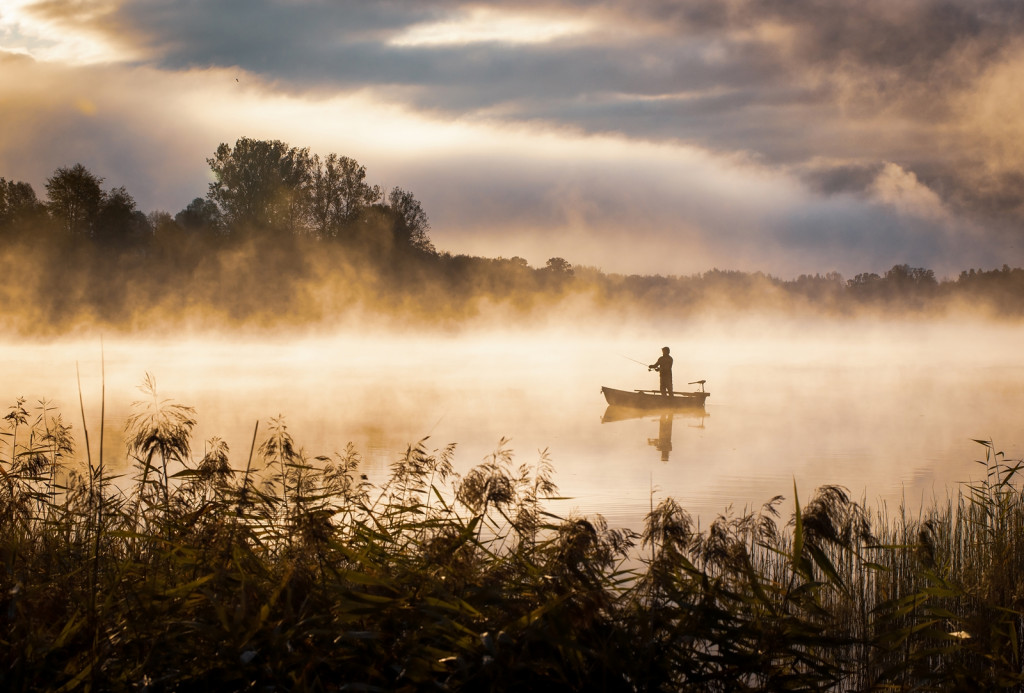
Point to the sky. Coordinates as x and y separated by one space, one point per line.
655 137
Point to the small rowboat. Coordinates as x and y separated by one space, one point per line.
652 399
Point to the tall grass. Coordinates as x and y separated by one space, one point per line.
294 572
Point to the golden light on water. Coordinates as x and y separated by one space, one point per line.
885 408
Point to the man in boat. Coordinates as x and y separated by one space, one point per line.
664 367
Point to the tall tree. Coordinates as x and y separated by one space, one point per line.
413 224
261 185
339 195
75 197
326 206
356 193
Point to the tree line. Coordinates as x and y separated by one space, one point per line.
259 187
286 236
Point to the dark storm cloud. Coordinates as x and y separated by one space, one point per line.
777 78
665 49
346 45
315 44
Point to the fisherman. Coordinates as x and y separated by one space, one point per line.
664 367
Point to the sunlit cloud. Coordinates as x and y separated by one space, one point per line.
485 25
902 190
71 33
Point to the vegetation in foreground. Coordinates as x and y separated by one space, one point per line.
295 573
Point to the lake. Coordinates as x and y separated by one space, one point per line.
886 409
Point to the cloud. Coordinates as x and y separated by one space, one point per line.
797 132
82 32
902 190
488 25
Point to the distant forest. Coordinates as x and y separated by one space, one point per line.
285 237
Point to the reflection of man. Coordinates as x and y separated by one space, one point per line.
664 440
664 367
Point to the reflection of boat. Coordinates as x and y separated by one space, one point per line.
652 399
613 413
664 440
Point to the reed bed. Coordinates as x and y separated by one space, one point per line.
293 572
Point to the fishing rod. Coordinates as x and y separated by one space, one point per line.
635 361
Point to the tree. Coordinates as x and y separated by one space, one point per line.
356 193
413 225
162 223
325 196
863 279
556 274
261 185
75 197
339 194
559 267
200 215
18 205
118 222
905 275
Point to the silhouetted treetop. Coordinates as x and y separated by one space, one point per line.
260 185
118 222
413 225
338 194
269 186
559 266
74 198
19 206
201 215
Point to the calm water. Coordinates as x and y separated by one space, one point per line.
887 410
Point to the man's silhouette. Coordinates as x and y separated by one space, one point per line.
664 367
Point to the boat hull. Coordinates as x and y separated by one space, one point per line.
650 400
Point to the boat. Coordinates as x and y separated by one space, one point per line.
653 399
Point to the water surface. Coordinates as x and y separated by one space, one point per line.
888 410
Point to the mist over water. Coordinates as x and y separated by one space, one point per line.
887 409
